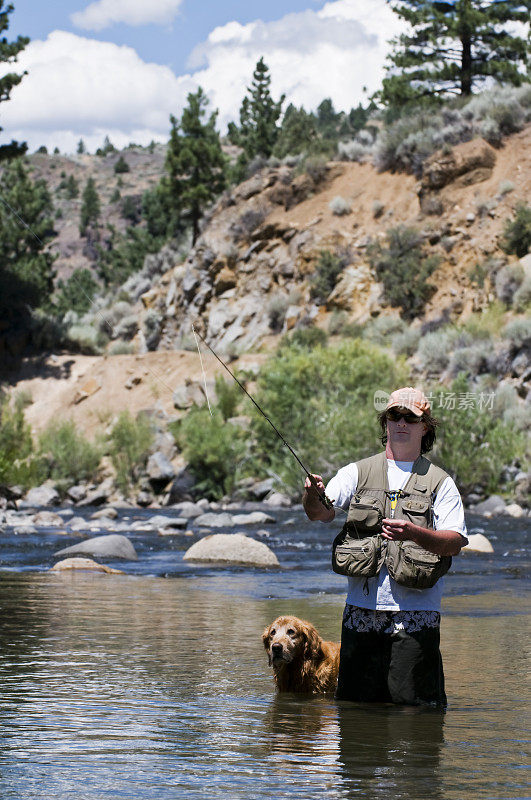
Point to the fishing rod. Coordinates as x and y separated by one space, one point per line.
327 503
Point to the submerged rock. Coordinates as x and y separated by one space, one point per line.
231 548
48 519
84 564
477 543
114 545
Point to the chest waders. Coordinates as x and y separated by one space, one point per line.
360 550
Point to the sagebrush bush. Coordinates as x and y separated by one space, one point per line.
381 329
517 232
404 268
508 280
316 168
522 296
434 350
85 339
406 342
121 348
472 360
518 332
130 440
339 206
70 457
354 150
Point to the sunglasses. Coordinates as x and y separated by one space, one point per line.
408 417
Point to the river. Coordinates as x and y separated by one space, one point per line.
154 684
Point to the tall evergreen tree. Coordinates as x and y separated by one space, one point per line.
8 54
259 115
298 132
194 161
453 48
26 266
90 207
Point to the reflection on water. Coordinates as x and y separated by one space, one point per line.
134 687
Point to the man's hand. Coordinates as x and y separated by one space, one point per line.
442 543
312 502
398 530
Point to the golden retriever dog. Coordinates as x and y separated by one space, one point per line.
301 660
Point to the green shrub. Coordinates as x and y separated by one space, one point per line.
404 269
214 450
517 232
322 402
276 309
129 443
121 166
76 293
18 462
327 270
228 395
474 445
305 338
70 457
407 342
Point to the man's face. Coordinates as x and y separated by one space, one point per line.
404 428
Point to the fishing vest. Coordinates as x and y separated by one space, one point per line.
360 550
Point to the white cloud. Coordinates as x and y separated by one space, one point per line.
333 52
104 13
78 87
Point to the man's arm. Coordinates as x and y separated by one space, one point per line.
442 543
314 508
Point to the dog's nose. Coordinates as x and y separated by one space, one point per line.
276 648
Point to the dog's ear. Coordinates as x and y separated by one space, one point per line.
266 637
312 643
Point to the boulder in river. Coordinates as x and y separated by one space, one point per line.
254 518
114 545
86 564
159 471
493 506
213 520
231 548
48 519
477 543
41 496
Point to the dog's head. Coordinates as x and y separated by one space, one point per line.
290 639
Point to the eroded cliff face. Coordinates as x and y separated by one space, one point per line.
249 275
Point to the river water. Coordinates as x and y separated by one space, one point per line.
154 684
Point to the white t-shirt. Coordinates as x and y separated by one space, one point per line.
384 593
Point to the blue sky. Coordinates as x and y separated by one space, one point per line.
121 67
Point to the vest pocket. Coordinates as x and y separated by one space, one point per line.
365 517
356 557
413 567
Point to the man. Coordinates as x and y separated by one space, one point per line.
405 519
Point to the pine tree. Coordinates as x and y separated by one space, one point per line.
195 162
298 132
81 148
8 54
259 115
90 207
453 48
26 266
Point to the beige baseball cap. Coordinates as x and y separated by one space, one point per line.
409 397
